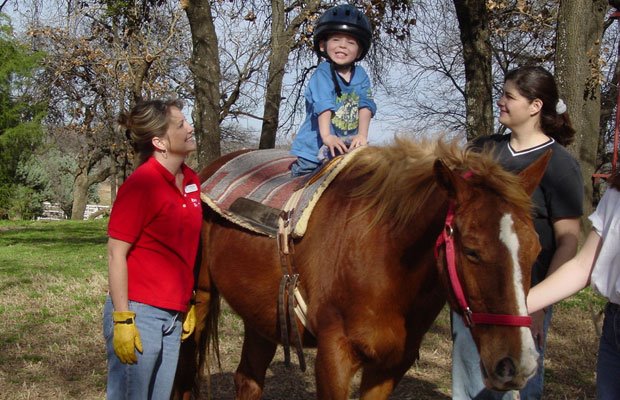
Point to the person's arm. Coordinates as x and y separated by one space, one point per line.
126 337
566 232
117 273
366 109
361 139
568 279
332 141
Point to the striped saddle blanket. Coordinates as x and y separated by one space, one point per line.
259 183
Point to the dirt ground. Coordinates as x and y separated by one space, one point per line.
46 357
52 347
570 363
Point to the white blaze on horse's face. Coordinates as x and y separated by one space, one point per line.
509 237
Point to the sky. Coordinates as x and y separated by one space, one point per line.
383 126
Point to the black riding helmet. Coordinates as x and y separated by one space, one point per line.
344 18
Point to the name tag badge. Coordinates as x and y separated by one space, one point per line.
191 188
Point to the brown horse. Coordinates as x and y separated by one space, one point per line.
369 274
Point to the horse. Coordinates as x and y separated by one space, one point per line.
400 231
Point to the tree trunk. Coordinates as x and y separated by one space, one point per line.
282 42
474 31
113 180
83 181
576 70
80 195
280 48
207 76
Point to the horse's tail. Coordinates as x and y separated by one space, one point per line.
200 347
209 341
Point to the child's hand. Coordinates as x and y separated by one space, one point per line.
358 141
335 144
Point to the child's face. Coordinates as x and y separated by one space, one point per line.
341 48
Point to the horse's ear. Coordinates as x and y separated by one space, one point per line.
447 179
531 176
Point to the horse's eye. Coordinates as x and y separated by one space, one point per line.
472 255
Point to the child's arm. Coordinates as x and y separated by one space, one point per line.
571 277
332 141
361 139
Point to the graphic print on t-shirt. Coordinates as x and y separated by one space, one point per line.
345 119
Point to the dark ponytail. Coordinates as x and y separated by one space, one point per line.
538 83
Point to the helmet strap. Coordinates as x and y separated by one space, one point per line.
335 79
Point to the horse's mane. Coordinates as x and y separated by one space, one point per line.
397 180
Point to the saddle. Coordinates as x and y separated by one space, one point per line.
253 189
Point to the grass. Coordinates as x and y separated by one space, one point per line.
52 287
53 281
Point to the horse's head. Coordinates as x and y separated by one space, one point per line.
490 244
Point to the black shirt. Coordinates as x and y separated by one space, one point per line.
559 194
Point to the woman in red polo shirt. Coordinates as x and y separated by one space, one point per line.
154 231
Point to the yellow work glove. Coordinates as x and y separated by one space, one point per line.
126 336
189 323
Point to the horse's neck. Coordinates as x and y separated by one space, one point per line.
431 218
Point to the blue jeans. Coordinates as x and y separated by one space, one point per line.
152 376
467 380
303 166
608 363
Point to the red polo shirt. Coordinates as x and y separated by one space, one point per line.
163 226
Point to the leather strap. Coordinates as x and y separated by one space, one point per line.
288 286
128 321
293 321
282 317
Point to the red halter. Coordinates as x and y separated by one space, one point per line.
471 318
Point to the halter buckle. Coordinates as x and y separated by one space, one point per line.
467 317
449 230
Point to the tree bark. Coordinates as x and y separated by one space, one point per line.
280 47
83 181
474 31
282 42
80 196
576 71
207 77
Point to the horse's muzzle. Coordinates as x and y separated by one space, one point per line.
506 376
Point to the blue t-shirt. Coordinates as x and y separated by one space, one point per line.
321 96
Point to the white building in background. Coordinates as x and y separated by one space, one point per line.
53 212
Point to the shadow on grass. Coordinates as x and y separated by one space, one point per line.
13 282
64 234
69 248
291 383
